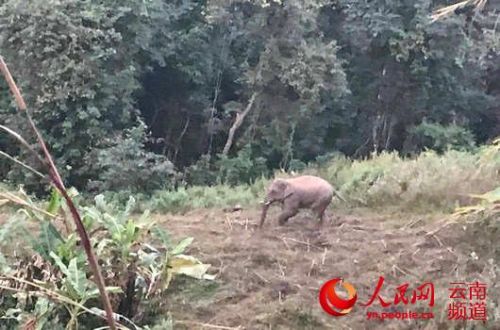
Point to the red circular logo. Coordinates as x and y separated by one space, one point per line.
329 299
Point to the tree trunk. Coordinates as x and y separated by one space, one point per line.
179 140
237 123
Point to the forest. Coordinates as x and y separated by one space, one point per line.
138 138
145 95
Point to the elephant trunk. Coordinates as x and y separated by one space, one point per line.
267 201
265 207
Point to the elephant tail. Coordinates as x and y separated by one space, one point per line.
336 193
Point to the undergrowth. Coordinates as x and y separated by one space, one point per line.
44 279
429 181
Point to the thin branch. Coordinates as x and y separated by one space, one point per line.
19 138
26 166
445 11
237 123
179 140
223 56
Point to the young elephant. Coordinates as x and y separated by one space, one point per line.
298 193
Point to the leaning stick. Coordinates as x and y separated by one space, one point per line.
58 183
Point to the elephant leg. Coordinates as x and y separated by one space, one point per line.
321 212
287 214
322 217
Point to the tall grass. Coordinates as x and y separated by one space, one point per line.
200 197
430 181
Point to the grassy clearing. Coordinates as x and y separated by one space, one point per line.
275 274
270 279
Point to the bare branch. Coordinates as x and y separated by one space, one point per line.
445 11
6 155
12 85
19 138
237 123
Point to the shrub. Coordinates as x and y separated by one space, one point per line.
243 168
296 165
196 197
222 169
126 165
355 181
201 173
440 138
138 261
430 180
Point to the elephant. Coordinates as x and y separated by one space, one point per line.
297 193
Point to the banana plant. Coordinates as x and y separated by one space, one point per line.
137 256
77 287
161 266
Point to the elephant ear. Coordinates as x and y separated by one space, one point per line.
288 190
280 183
284 186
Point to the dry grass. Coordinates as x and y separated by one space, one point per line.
270 279
427 182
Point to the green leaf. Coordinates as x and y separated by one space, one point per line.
77 278
42 305
48 240
68 249
54 202
42 311
59 263
129 206
147 259
182 246
131 231
100 202
162 235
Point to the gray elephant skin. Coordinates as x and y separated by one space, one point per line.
303 192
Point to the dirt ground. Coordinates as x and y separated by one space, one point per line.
270 279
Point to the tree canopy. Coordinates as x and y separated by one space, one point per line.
141 95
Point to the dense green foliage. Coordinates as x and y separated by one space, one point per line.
307 78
